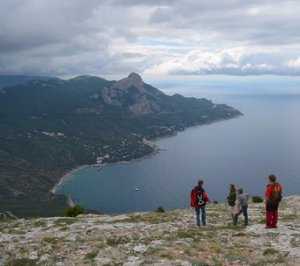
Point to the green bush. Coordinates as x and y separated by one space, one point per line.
74 211
270 251
160 209
257 199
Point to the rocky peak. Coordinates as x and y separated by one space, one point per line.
135 77
133 80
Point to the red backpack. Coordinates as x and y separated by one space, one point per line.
198 198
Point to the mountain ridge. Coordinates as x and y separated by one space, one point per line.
48 127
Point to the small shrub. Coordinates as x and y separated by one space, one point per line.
91 255
74 211
160 209
257 199
270 251
40 223
115 241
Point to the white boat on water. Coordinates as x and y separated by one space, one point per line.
137 189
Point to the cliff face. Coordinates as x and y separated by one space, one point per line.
169 238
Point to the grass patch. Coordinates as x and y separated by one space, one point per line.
152 218
195 234
237 254
13 231
200 263
289 217
91 255
271 259
215 247
21 262
239 234
51 240
39 223
295 242
65 221
230 227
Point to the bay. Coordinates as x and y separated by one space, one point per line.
243 151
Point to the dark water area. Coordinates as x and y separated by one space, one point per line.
242 151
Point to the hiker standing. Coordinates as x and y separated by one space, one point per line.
273 196
243 203
233 203
199 198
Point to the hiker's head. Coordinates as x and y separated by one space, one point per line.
272 178
240 191
232 187
200 183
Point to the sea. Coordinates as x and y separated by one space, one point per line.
241 151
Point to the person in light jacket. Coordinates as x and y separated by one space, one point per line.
243 205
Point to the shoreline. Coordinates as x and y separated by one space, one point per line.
66 176
156 150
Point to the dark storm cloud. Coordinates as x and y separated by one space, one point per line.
71 37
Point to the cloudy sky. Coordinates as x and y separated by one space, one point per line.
155 38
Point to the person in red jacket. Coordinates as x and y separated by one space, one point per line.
199 198
273 196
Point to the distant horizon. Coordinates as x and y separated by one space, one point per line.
211 84
250 84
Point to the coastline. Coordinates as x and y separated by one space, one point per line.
66 176
156 149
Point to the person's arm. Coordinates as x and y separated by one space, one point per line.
247 197
193 200
268 193
205 197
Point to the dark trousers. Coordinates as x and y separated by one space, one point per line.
271 215
244 211
200 211
271 219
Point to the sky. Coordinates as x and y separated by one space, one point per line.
158 38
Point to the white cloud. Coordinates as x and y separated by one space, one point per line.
294 63
234 61
103 37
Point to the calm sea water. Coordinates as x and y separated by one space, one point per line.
242 151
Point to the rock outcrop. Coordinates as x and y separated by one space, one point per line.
135 95
169 238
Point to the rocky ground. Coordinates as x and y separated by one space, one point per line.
169 238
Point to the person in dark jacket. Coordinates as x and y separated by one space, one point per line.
232 202
199 199
273 196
